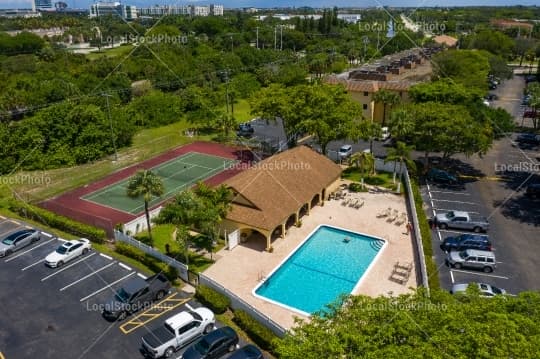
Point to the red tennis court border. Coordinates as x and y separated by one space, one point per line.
70 204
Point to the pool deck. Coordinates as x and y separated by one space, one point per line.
241 269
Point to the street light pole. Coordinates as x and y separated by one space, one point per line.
111 126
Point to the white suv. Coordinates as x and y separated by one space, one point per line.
345 151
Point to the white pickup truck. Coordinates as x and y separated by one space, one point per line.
461 220
178 331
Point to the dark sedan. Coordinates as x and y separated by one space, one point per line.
249 351
440 176
466 241
213 345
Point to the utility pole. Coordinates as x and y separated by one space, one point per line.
111 126
257 41
275 37
281 38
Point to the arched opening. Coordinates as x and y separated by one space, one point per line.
276 233
303 211
291 221
315 200
253 239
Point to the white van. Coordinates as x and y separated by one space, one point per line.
385 134
344 152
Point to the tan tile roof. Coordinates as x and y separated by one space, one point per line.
278 186
446 40
368 85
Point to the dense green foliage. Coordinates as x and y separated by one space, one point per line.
152 263
261 335
22 43
418 326
56 221
217 302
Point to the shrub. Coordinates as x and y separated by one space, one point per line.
56 221
357 187
154 264
212 299
260 334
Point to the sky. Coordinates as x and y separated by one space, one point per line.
13 4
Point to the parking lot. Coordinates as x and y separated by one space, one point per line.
51 313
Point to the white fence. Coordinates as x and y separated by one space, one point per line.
181 267
239 303
139 224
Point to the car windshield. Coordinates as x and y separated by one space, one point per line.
450 215
122 295
463 254
496 290
343 150
202 346
8 241
61 250
196 316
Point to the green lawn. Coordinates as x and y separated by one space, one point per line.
146 144
381 179
242 111
114 52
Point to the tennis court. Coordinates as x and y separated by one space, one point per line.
177 174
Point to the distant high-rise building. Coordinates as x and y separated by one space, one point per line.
216 10
126 12
43 5
200 10
60 6
193 10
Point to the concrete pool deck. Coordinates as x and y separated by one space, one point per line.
243 268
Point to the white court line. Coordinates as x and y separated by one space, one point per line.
33 264
452 277
487 275
106 287
86 276
448 210
457 193
105 256
31 249
461 202
67 267
142 276
124 266
460 232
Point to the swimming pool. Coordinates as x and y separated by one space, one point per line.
320 269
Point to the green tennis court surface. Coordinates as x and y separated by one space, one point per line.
177 174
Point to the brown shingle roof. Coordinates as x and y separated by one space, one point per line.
446 40
368 85
278 186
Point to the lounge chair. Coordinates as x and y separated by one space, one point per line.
345 202
392 217
359 204
353 204
402 219
384 213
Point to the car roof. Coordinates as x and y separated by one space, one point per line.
179 320
476 237
248 351
19 233
134 285
219 333
345 147
460 213
476 252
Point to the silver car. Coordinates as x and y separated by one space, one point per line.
17 240
472 258
486 290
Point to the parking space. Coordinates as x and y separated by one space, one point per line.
443 198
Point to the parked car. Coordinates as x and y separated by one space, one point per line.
440 176
466 241
245 130
486 290
461 220
213 345
178 331
472 258
249 351
135 295
18 240
533 190
345 152
529 138
385 134
68 251
491 97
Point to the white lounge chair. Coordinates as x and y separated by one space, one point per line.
384 213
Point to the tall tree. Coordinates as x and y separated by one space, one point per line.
148 185
400 153
386 98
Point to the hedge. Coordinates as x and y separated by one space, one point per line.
212 299
261 335
154 264
56 221
425 231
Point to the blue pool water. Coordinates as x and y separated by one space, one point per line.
321 269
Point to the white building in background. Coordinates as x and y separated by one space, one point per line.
350 18
43 5
193 10
126 12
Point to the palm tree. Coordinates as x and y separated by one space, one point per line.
400 154
147 184
401 123
364 161
386 98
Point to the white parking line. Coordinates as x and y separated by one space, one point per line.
459 232
452 277
455 193
439 235
142 276
460 202
33 264
47 234
124 266
106 287
29 250
448 210
86 276
105 256
470 272
67 267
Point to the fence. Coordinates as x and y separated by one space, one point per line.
181 267
239 303
139 224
